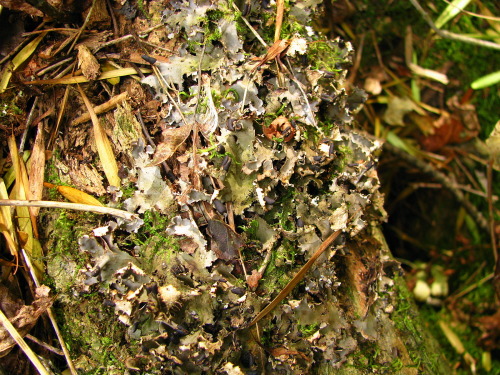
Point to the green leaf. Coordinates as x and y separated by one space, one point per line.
487 80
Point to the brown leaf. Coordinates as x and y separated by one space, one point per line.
275 50
227 242
253 279
37 169
88 63
173 138
23 317
280 128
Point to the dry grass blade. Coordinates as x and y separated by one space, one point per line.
70 206
297 278
20 58
22 344
6 220
74 195
103 144
121 72
26 221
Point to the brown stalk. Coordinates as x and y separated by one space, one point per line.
297 278
280 7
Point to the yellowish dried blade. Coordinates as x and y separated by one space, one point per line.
103 144
452 337
81 79
6 224
22 182
37 169
75 195
21 57
25 220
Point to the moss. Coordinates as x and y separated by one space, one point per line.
308 329
82 319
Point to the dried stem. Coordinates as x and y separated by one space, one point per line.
70 206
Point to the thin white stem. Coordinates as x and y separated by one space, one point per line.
70 206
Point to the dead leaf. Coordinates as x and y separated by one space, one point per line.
37 169
280 128
173 138
88 63
75 195
253 279
279 47
18 60
23 317
226 242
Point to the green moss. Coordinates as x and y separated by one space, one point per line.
324 56
154 245
308 329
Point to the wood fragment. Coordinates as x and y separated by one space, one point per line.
297 278
110 104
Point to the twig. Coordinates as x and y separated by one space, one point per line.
450 35
111 103
259 38
84 26
113 18
45 345
442 178
417 69
297 278
70 206
470 288
22 344
29 120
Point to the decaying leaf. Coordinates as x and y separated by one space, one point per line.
19 59
88 63
172 139
226 242
37 168
23 317
280 128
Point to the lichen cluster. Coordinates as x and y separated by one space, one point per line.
241 198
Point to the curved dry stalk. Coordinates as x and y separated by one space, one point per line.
22 344
297 278
70 206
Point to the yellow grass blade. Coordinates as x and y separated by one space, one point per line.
75 195
103 144
81 79
20 58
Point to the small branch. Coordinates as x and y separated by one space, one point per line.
297 278
70 206
450 35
